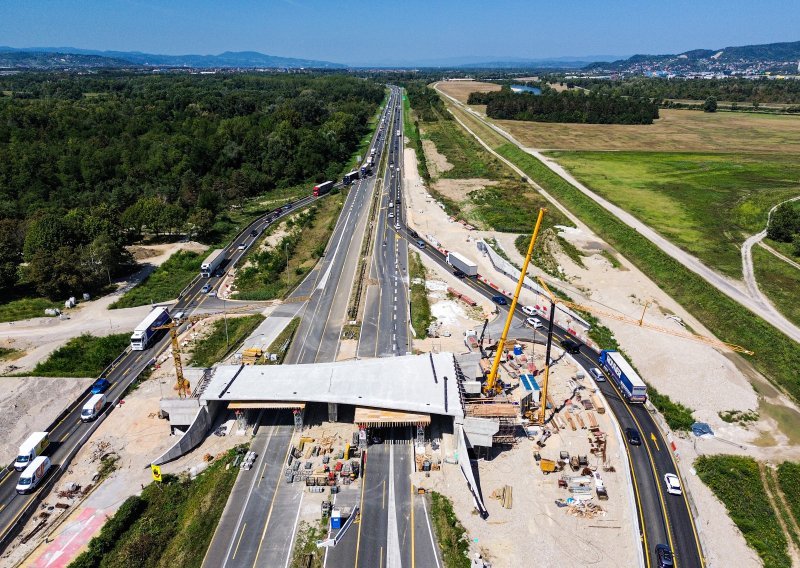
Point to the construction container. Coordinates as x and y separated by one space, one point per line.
547 466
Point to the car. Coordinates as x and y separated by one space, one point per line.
205 289
397 200
413 233
397 226
213 293
500 300
177 317
664 556
597 375
241 246
633 437
535 323
572 347
100 386
391 214
459 274
528 310
673 483
421 243
253 233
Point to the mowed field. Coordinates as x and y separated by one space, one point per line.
705 203
675 131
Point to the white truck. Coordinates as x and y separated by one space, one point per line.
210 264
146 330
33 475
462 264
30 448
93 407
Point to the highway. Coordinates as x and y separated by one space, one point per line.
664 518
68 433
258 525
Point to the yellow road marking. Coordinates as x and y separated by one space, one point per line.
655 442
238 542
361 509
381 562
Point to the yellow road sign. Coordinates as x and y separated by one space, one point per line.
156 472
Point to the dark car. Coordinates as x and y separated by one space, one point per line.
570 346
413 234
500 300
633 437
100 386
254 232
664 556
458 273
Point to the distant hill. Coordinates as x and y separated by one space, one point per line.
39 60
776 57
249 59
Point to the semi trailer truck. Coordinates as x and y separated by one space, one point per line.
145 331
631 385
462 264
210 265
323 188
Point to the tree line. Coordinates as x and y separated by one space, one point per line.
732 89
89 164
566 106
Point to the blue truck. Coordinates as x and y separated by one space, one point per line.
631 385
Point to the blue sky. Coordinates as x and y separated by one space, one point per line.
359 32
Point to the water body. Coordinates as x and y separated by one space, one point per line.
526 89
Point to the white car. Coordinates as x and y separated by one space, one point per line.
535 323
597 374
528 310
673 484
241 246
391 214
397 226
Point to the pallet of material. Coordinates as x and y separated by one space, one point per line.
571 423
580 421
597 405
592 420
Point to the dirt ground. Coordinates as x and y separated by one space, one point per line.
438 162
41 336
461 89
535 527
31 404
684 370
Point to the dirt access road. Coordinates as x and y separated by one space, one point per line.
725 285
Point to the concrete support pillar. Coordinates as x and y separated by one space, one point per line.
333 412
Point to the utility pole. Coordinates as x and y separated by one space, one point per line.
225 317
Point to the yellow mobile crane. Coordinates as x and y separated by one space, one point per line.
181 383
491 388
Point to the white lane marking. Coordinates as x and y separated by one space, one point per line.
392 537
430 532
290 549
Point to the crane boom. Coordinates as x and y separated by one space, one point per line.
491 382
710 341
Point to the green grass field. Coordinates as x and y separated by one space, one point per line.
779 281
737 483
789 481
83 356
212 348
165 282
25 308
450 533
776 356
469 159
705 203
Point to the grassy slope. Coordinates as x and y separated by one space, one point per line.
263 282
789 481
706 203
165 282
150 538
779 281
737 483
83 356
214 347
421 316
450 533
777 357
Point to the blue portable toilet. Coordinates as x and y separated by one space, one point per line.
336 519
517 350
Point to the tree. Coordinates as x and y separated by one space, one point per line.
200 223
784 223
710 105
796 244
11 239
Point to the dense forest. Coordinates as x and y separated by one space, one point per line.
732 89
566 106
91 163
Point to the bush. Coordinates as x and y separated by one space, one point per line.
83 356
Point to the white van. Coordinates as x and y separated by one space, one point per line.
33 475
93 407
30 448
